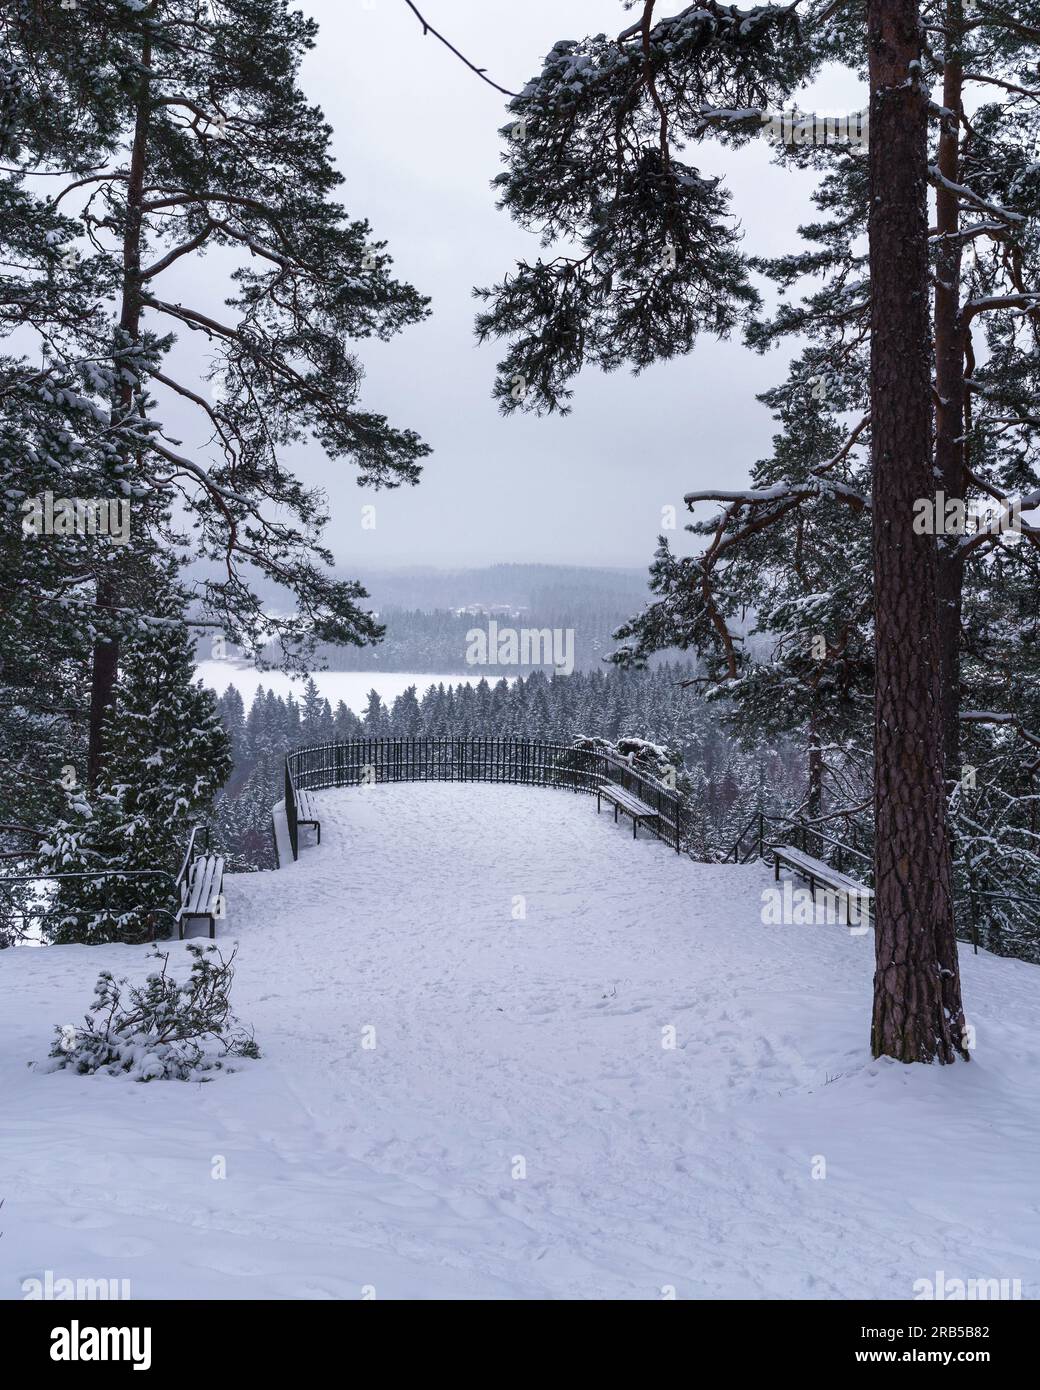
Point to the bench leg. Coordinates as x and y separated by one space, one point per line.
776 868
212 927
318 828
635 827
615 813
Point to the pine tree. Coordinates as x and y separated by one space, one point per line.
233 718
312 716
52 445
616 113
223 152
291 724
346 723
406 716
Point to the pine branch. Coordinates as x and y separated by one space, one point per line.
1010 720
481 72
970 198
1032 92
185 249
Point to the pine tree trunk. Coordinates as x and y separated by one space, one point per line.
814 795
917 1005
105 663
103 674
949 388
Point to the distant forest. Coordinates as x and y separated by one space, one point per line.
522 586
426 631
417 640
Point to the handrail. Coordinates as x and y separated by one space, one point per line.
199 834
760 818
840 844
190 854
6 879
528 762
87 873
798 823
274 841
962 892
290 808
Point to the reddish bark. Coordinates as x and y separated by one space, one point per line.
949 389
105 665
917 1005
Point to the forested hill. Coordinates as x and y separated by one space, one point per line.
428 613
438 641
521 586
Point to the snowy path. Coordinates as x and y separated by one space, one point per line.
498 1039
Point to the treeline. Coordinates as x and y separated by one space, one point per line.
536 587
726 783
422 640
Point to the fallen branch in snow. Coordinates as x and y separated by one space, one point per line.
161 1030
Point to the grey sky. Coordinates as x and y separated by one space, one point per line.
416 137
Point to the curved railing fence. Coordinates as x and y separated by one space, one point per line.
524 762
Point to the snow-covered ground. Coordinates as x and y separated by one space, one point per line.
352 687
518 1129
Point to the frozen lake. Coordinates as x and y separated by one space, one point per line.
351 687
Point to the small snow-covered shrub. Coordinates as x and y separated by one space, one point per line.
166 1029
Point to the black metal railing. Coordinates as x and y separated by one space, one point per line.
764 831
522 762
198 843
44 911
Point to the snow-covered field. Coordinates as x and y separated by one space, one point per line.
518 1129
352 687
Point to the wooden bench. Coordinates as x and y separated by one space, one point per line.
200 891
622 800
305 813
815 871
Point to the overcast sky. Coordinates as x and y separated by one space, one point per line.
416 138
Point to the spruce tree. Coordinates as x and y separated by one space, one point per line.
169 758
346 723
406 716
374 719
